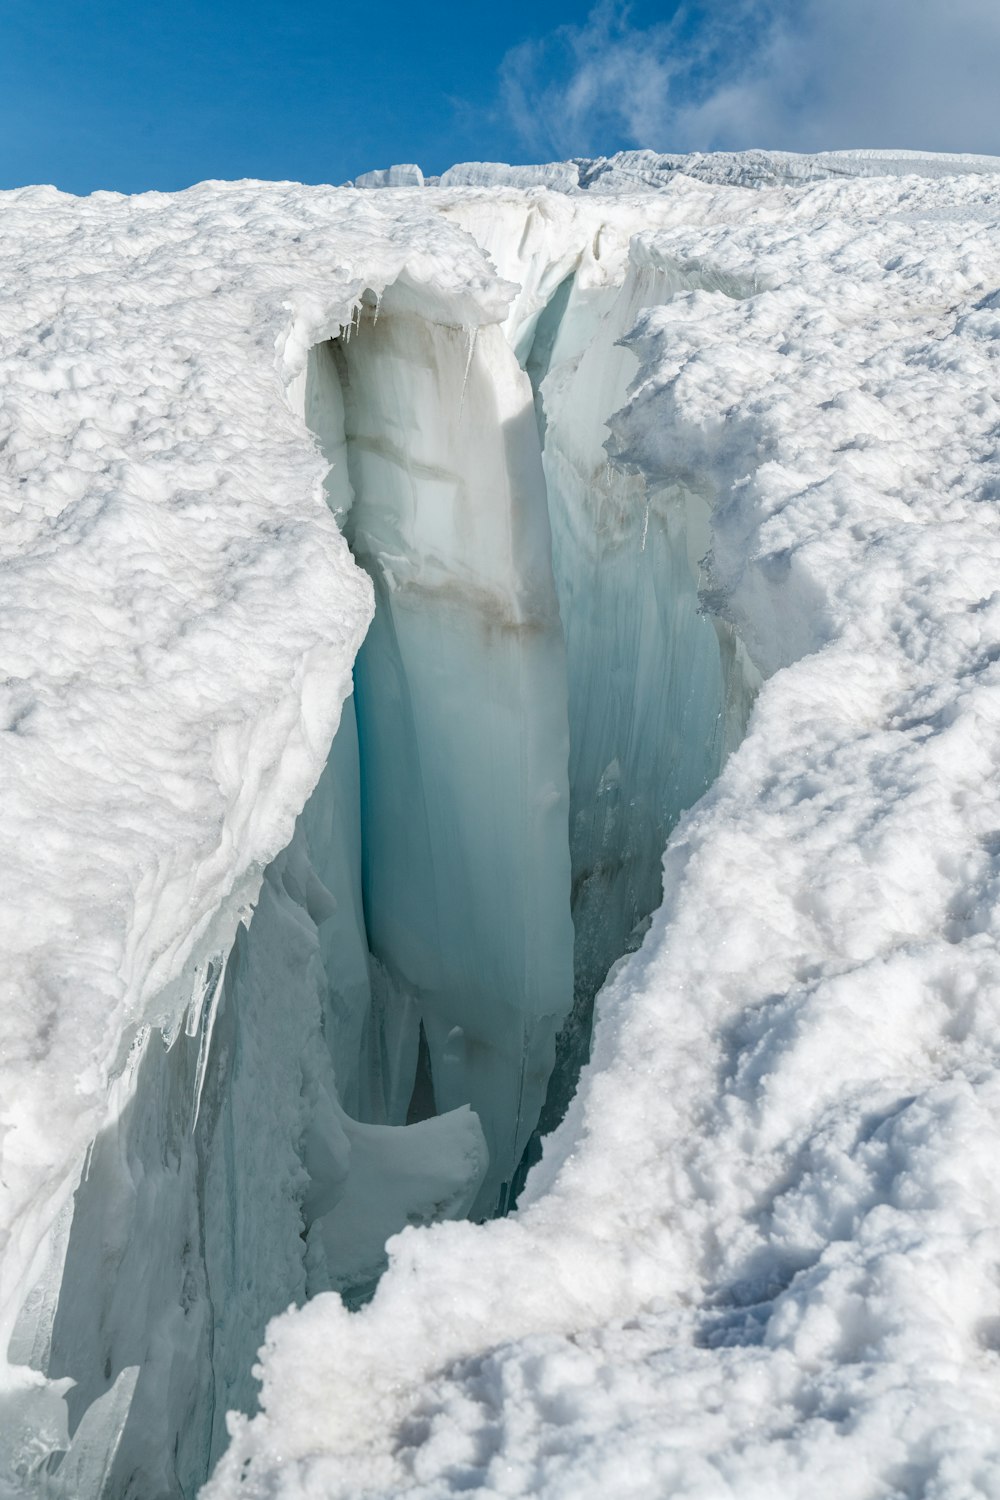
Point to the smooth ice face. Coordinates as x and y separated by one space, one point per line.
464 828
461 693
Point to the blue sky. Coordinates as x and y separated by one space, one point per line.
104 93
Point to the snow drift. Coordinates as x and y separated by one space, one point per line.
608 458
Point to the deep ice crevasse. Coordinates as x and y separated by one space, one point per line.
750 1217
743 1269
443 882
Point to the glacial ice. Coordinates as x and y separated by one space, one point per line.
464 794
303 993
658 692
406 174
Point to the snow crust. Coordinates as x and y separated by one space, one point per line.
465 797
760 1255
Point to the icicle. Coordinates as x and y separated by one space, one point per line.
205 1044
203 987
353 323
472 332
506 1192
378 309
645 528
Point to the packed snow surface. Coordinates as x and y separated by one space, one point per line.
748 408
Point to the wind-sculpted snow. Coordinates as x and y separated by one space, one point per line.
759 1255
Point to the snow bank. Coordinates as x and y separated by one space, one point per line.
760 1254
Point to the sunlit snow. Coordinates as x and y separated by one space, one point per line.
390 577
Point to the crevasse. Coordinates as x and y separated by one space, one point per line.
538 699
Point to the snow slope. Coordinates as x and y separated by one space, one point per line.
760 1255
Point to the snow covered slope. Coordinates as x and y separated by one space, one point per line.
761 1253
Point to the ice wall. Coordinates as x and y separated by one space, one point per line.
659 691
464 804
235 1181
461 692
445 486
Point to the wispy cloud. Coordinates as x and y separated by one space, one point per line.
580 85
800 74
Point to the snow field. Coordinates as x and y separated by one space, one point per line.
760 1254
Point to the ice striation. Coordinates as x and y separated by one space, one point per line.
616 448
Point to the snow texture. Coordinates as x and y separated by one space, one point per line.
760 1255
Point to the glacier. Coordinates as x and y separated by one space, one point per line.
491 611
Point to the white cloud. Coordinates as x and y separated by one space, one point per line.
575 87
799 74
